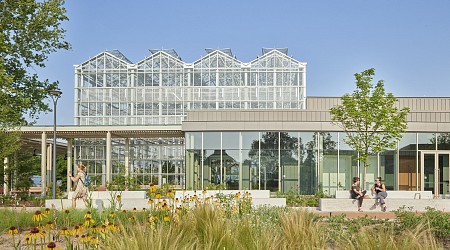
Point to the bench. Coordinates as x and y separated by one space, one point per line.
34 190
105 195
425 195
255 194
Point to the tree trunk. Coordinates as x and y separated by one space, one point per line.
364 176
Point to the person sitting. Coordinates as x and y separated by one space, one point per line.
380 190
356 193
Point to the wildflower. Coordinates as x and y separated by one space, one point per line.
35 233
170 193
88 221
28 240
104 229
152 188
158 195
84 238
150 201
134 210
179 209
95 229
204 191
118 198
94 241
47 211
144 209
112 214
37 216
13 230
132 218
50 225
166 218
124 211
66 211
88 215
64 231
177 200
51 245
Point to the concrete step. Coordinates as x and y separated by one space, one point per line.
419 205
345 194
253 193
129 204
107 194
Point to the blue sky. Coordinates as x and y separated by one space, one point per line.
407 42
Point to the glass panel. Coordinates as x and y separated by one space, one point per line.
230 140
308 167
193 164
429 160
250 140
212 173
407 170
193 140
427 141
250 169
269 170
443 141
408 142
348 166
444 175
387 168
211 140
328 162
289 161
230 163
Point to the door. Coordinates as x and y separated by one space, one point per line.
436 175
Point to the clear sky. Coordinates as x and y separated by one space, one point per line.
407 42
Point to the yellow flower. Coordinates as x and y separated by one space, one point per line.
94 241
49 225
88 215
166 218
204 191
36 234
158 195
37 216
134 210
13 230
88 221
152 188
170 193
144 209
118 198
132 218
112 214
67 211
124 211
64 231
28 240
85 238
47 211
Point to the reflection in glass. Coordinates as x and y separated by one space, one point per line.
427 141
308 167
328 162
443 141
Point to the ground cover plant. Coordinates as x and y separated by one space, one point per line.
220 222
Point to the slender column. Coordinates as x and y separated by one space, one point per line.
127 156
69 163
108 157
49 163
6 179
43 163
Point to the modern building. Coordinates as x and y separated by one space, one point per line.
243 125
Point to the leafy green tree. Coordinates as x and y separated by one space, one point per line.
369 118
30 30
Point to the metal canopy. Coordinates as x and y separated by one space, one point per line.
118 54
267 50
225 50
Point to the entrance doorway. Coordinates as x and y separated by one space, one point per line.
435 167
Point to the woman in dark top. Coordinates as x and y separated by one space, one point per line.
356 193
380 190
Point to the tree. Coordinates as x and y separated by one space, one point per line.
30 31
369 118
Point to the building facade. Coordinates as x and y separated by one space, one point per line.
110 90
240 125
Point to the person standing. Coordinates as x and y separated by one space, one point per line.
380 190
81 192
356 193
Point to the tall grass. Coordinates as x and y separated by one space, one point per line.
373 238
206 227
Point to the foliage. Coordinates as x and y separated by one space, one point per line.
369 117
438 221
295 198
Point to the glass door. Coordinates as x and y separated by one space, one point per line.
436 175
